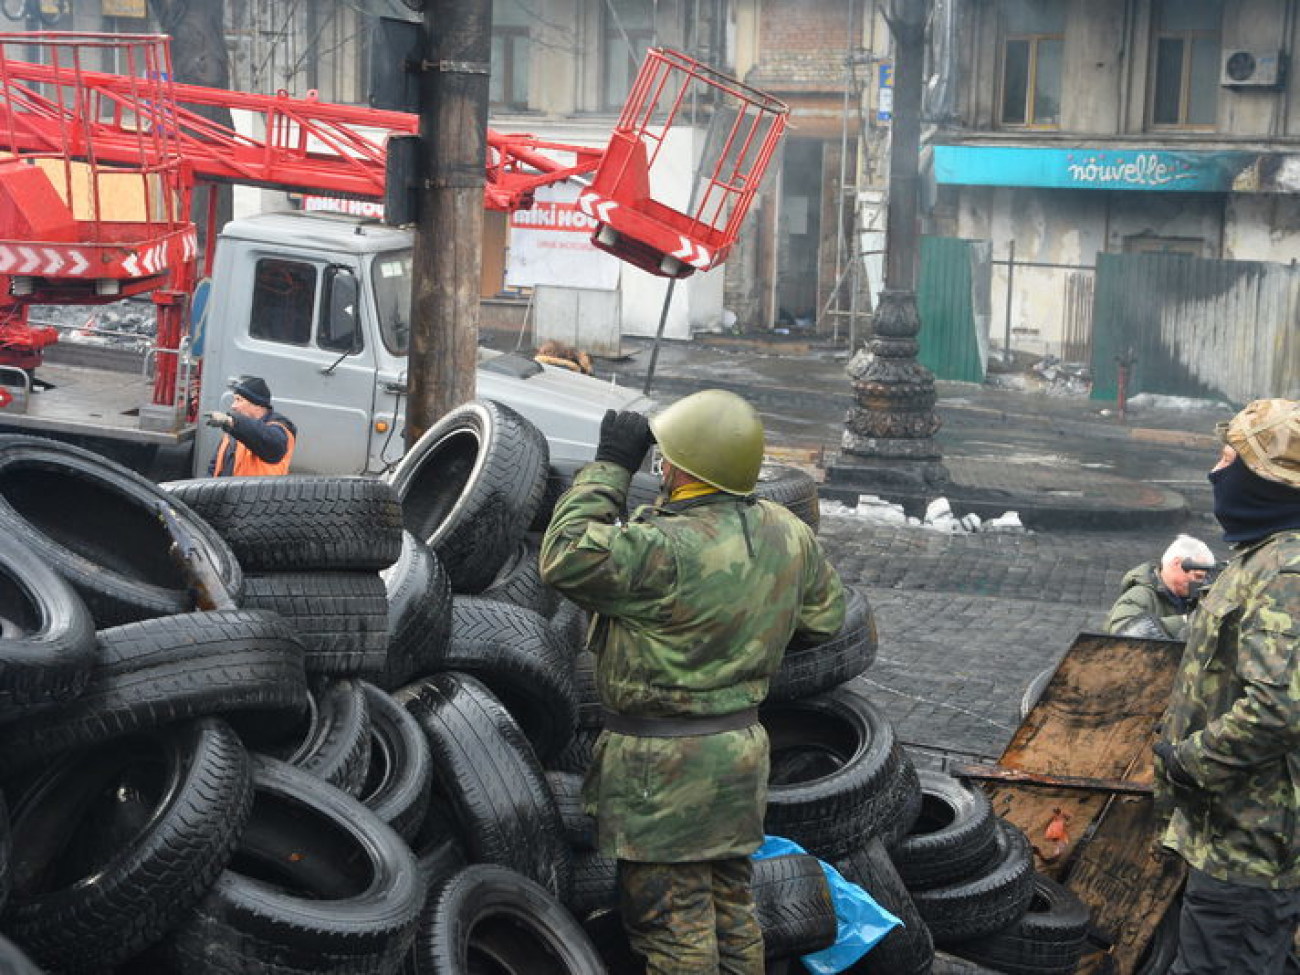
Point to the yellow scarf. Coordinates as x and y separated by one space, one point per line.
692 489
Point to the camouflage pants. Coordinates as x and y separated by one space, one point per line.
691 918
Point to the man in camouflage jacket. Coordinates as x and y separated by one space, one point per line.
696 599
1229 764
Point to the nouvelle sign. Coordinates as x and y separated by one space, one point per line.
1090 169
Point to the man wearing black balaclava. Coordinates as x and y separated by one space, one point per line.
1229 763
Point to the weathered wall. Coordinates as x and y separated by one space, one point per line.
1262 228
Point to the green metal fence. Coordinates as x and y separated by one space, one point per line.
953 298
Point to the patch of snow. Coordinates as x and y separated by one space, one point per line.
1156 401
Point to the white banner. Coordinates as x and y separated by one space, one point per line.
551 244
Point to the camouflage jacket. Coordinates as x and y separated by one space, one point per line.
1234 721
695 602
1145 595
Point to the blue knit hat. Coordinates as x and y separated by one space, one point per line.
254 389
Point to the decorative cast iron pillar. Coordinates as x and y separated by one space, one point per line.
888 436
888 440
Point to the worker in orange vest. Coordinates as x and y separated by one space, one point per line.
258 441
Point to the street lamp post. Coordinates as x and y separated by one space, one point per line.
888 442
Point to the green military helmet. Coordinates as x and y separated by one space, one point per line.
1266 434
713 435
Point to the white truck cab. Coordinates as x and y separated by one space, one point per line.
319 305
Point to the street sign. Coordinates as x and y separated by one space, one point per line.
885 93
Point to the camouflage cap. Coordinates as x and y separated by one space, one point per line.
1266 434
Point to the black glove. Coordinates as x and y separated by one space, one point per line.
625 439
218 419
1171 769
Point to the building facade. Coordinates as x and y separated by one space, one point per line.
1084 130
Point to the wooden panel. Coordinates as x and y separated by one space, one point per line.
1097 719
1124 880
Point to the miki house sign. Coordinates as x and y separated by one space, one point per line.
1090 169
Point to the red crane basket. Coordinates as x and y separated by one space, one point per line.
742 129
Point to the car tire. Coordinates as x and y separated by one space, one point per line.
340 617
242 665
115 844
838 776
516 654
333 743
488 911
811 668
47 638
490 778
470 487
1048 940
987 903
300 522
419 614
399 772
96 524
953 838
318 883
906 950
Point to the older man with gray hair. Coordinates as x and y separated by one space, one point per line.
1158 596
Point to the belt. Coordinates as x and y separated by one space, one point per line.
679 726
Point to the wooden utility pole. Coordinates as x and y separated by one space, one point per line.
448 238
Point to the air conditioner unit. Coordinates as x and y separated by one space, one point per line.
1253 69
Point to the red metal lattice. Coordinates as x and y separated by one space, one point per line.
742 127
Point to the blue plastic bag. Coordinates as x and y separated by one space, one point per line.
861 922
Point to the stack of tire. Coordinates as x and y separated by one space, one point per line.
970 877
325 778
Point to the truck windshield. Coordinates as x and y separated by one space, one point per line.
392 282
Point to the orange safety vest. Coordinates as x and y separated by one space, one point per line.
248 464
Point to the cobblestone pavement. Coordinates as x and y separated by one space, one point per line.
967 621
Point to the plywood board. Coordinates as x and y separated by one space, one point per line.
1097 719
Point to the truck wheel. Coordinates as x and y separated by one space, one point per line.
838 776
116 844
400 768
953 837
47 638
470 487
501 806
340 617
489 912
300 521
516 654
334 741
907 950
243 665
95 524
808 669
419 614
318 883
